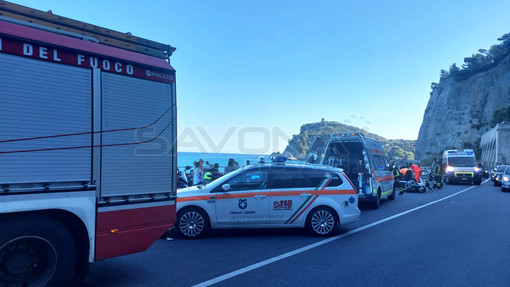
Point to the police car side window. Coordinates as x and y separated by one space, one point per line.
287 178
249 180
317 178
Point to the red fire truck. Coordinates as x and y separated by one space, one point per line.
87 145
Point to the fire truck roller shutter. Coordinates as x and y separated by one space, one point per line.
41 99
145 167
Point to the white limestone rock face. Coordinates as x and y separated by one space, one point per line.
459 112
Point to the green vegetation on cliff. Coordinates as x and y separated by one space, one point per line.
479 62
300 144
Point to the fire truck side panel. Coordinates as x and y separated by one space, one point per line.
132 228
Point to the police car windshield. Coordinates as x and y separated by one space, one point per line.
462 161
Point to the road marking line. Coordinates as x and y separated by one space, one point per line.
320 243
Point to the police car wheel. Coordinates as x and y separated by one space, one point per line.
322 221
192 223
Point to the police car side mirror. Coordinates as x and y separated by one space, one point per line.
226 187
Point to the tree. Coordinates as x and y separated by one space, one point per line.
454 69
396 152
443 75
408 155
500 115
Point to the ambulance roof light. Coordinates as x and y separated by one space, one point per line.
279 159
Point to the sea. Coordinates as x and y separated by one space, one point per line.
187 158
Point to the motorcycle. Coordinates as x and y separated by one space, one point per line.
184 178
409 184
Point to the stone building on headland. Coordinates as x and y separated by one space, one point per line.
495 145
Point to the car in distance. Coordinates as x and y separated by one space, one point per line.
505 180
499 173
269 195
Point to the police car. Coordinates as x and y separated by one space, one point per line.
270 195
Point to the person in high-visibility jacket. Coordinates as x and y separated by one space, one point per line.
398 177
403 170
438 174
417 172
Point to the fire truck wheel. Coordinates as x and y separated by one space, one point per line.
322 221
36 251
192 223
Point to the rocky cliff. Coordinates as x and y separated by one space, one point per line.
300 144
462 107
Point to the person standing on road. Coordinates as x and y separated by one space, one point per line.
438 174
397 176
230 166
417 172
198 172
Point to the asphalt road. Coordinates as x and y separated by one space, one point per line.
457 236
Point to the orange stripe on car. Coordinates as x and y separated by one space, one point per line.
384 178
219 196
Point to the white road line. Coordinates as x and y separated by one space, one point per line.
320 243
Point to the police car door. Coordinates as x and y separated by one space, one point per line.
289 193
245 199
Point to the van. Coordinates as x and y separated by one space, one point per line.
460 167
364 163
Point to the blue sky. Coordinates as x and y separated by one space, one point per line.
250 73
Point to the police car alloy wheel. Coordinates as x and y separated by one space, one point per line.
322 221
192 223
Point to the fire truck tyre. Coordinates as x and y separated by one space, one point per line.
322 221
36 251
392 195
192 223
